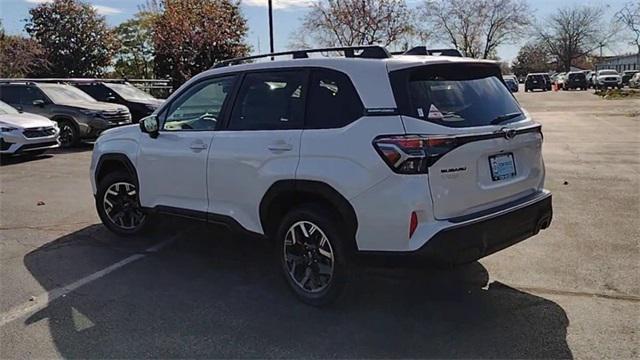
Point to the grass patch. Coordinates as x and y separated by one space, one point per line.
617 94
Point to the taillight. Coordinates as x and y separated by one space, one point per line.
413 154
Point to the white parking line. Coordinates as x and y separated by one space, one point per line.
41 301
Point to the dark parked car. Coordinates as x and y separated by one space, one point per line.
627 75
511 83
576 80
547 78
536 81
140 103
79 116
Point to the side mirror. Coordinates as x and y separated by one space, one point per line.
150 126
38 102
111 99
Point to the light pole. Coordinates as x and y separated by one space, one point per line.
271 28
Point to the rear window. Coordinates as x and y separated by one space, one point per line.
460 95
577 76
535 77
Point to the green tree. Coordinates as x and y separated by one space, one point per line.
135 58
192 35
76 40
19 57
532 58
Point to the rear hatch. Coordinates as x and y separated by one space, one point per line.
482 149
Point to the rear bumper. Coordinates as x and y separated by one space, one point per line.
472 239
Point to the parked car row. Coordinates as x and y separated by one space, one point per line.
81 108
582 80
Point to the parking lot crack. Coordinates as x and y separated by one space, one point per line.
609 296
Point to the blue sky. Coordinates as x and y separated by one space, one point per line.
287 15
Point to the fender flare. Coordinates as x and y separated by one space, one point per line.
289 189
121 158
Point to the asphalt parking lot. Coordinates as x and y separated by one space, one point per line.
69 288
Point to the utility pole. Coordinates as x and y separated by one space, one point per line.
271 28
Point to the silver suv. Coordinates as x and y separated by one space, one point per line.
78 115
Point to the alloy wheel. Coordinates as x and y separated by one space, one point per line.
121 206
308 256
66 134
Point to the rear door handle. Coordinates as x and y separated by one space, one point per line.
280 147
198 146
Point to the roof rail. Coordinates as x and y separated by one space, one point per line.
368 52
422 50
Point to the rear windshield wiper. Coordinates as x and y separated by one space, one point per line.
505 117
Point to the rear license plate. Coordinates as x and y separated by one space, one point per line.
502 166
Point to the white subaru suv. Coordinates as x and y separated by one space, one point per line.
336 159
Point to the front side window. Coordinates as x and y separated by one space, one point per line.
129 92
462 95
96 91
199 108
270 101
31 94
333 101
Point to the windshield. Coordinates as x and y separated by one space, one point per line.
61 94
608 72
129 92
6 109
457 95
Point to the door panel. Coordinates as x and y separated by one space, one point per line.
260 145
242 167
173 166
173 169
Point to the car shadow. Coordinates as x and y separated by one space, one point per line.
6 160
217 295
81 147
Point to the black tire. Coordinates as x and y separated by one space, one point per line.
124 202
309 259
69 134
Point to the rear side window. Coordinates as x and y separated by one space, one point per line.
98 92
459 95
270 101
333 101
11 94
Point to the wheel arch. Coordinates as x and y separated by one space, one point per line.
283 195
114 162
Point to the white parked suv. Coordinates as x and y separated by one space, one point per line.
335 159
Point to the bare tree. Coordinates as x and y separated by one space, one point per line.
573 32
629 17
356 22
477 27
